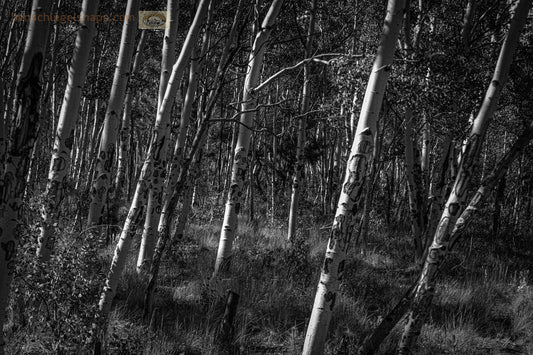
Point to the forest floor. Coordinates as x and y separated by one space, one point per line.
484 301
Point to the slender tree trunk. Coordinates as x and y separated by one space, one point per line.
60 162
179 147
414 182
372 343
273 189
124 136
240 160
186 203
3 130
169 47
353 184
22 138
302 123
140 196
455 204
438 185
106 152
85 147
198 142
250 192
498 199
135 213
468 23
424 156
489 183
177 156
164 231
155 182
160 138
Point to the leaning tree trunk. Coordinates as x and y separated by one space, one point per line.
140 196
302 123
175 163
154 194
164 228
179 149
372 342
353 185
455 204
438 184
20 144
488 184
125 131
240 160
193 156
60 162
106 152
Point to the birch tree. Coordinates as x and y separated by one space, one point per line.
413 172
372 343
64 137
179 146
106 151
240 160
194 154
490 182
353 185
140 196
20 144
302 122
154 195
455 203
125 129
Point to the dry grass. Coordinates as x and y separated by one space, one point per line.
483 305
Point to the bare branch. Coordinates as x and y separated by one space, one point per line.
315 59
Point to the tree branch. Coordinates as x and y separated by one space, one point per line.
315 59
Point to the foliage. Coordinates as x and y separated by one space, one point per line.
57 299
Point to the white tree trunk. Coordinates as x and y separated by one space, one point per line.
106 152
302 123
179 147
456 201
240 160
353 185
20 145
167 60
60 162
490 182
193 156
125 129
160 138
140 197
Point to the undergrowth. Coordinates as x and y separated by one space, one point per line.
484 301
